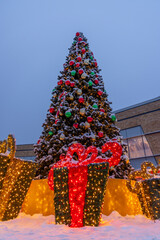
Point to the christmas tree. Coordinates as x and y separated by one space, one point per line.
79 112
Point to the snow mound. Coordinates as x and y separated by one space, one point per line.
113 227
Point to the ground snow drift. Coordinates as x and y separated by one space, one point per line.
113 227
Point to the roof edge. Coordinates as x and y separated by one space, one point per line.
137 105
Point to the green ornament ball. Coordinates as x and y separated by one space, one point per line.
90 83
73 72
50 133
113 117
68 114
54 90
92 73
95 106
74 42
91 57
86 48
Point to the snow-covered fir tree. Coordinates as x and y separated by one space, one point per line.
79 112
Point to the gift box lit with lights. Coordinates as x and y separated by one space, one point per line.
147 189
149 196
15 182
6 158
79 186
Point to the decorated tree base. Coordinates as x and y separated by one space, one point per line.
148 190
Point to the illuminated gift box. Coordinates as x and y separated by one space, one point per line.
147 190
16 182
6 158
79 186
149 196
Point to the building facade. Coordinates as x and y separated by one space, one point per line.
140 128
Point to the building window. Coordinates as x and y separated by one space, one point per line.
138 146
135 146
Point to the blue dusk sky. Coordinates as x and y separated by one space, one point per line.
34 39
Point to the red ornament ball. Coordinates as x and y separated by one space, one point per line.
71 63
95 63
38 141
77 34
100 134
51 110
72 84
96 75
83 50
77 65
80 39
89 119
67 82
100 92
80 71
96 81
60 82
62 156
75 125
79 59
81 100
102 110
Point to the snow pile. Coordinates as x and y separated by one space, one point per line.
113 227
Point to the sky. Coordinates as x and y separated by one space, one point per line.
34 39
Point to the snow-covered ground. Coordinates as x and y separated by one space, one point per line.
113 227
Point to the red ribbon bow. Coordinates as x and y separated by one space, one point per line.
68 161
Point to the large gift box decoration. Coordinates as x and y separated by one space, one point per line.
15 178
147 188
79 186
6 158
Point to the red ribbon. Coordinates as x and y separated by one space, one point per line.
77 182
67 161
